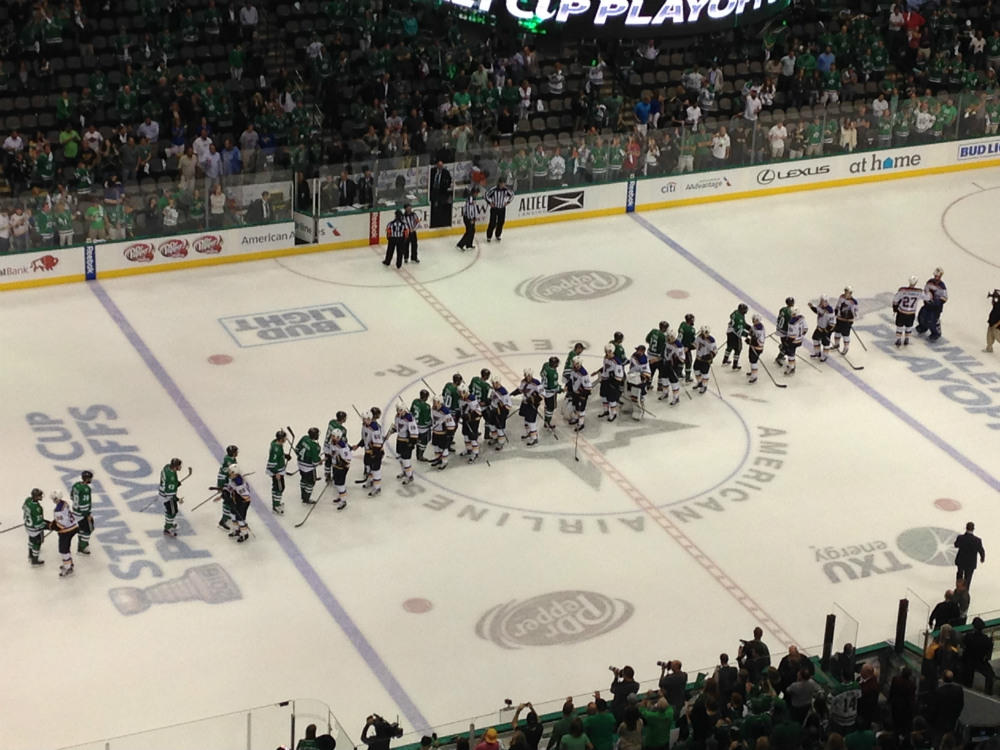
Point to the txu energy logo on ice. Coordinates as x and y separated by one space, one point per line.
570 286
924 544
557 619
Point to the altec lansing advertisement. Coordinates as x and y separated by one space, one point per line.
625 17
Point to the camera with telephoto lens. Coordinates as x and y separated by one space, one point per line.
385 729
664 664
994 295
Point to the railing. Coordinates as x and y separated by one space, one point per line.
259 728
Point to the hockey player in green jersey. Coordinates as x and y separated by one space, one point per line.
550 388
656 343
450 395
687 334
277 460
169 484
480 387
421 411
35 524
79 495
307 452
567 371
784 315
221 484
337 423
616 342
735 331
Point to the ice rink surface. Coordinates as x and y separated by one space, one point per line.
671 537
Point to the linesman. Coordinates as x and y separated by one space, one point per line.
469 211
396 239
412 221
498 197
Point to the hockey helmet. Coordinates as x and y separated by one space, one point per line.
484 374
175 463
913 281
618 337
528 374
366 416
232 450
280 434
437 401
790 301
609 349
86 475
742 308
234 469
36 494
664 325
795 312
337 434
495 382
341 416
848 290
641 347
463 391
704 331
822 299
577 363
756 318
314 432
689 318
671 336
57 496
401 409
456 378
424 394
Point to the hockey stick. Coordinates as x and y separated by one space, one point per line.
853 366
20 525
312 507
179 483
858 337
776 383
216 494
291 443
576 446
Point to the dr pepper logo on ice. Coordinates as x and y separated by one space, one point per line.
140 252
209 244
175 248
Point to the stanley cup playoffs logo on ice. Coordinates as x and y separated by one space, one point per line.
557 619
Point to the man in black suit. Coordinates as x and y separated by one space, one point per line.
440 195
259 211
347 190
366 188
970 553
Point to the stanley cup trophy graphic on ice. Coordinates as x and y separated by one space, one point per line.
208 583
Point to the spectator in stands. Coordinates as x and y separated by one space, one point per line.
599 724
259 211
149 129
249 19
532 729
630 729
346 189
977 653
575 738
557 80
790 666
595 74
249 144
752 106
4 230
776 137
490 741
217 207
232 162
440 195
945 611
211 164
800 694
20 237
868 709
641 112
658 721
562 725
948 702
754 655
673 684
902 701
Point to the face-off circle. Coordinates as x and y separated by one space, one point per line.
220 359
673 455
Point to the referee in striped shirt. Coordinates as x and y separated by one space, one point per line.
412 221
469 212
395 235
498 197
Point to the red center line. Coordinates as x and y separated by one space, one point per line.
600 460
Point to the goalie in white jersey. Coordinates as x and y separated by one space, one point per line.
904 304
640 376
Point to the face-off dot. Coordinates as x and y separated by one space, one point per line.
678 294
417 606
947 503
220 359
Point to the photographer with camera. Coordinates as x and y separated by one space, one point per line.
754 655
384 732
993 323
673 684
623 684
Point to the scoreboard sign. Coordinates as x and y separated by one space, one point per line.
646 18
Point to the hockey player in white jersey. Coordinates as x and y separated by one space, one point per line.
640 375
847 312
796 331
530 390
674 356
472 414
612 377
826 318
755 337
500 406
441 433
704 353
904 304
341 456
579 392
239 491
405 428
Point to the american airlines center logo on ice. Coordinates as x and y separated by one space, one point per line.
570 286
557 619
